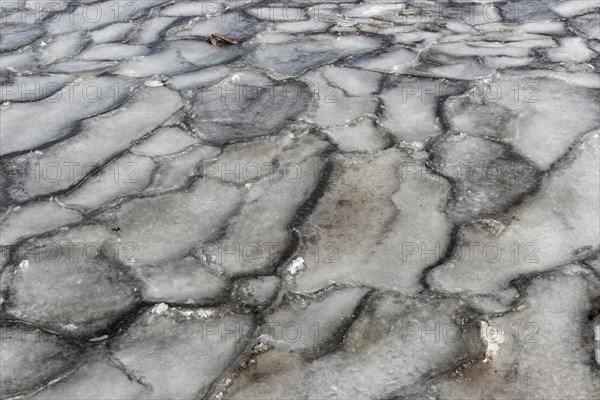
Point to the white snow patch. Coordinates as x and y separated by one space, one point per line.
24 264
492 336
160 309
153 83
296 266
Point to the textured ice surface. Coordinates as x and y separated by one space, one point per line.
68 162
367 228
70 283
31 357
56 116
541 346
343 95
291 56
257 291
362 134
35 218
182 281
525 110
409 107
258 234
232 111
177 353
201 212
488 177
311 199
492 252
387 337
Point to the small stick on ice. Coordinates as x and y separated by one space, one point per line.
215 39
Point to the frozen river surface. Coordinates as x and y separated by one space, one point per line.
299 200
